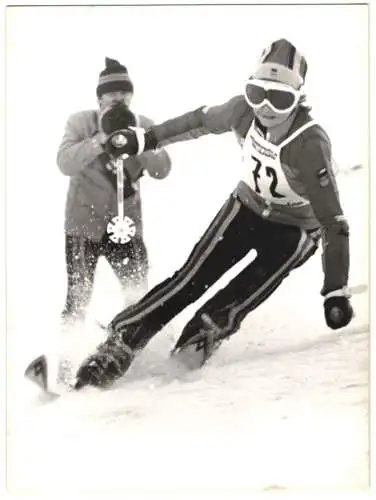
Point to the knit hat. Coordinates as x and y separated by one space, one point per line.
281 62
114 78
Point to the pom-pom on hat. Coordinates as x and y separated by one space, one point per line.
281 62
114 78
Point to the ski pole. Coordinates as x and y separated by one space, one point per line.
120 187
121 229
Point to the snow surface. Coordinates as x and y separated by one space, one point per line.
282 406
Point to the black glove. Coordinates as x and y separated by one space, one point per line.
130 142
338 311
119 124
122 142
116 117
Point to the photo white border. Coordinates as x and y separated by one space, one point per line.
3 492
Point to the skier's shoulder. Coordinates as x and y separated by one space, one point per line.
234 107
226 116
308 128
311 151
238 104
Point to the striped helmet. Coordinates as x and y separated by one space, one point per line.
281 62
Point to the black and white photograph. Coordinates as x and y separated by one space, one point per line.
187 249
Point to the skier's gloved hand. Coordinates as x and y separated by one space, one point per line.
338 309
125 142
130 141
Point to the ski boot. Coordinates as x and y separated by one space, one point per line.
111 360
194 349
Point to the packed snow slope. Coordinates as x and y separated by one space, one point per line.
282 405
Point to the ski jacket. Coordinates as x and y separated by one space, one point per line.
92 196
306 165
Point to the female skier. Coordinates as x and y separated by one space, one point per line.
286 200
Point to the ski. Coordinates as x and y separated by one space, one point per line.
37 372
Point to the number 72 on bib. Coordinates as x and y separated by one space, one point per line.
270 182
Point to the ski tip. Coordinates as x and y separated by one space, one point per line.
37 372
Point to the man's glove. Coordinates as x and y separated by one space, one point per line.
337 308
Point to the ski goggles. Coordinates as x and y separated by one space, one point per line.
280 97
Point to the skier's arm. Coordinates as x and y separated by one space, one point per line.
194 124
75 151
315 168
156 163
191 125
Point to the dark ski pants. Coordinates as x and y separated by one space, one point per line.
129 262
233 233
